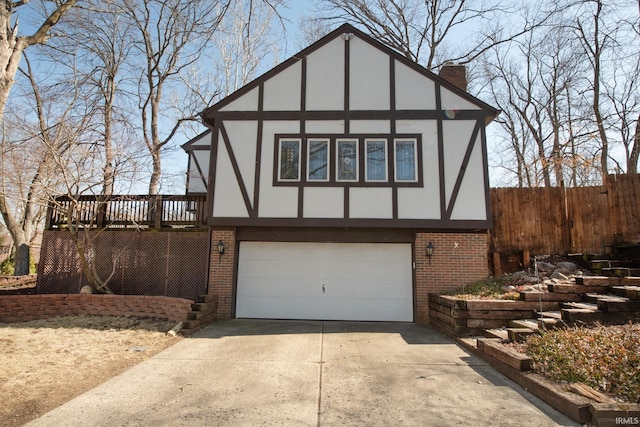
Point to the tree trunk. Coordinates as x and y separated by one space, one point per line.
632 166
22 259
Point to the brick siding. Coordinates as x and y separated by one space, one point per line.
21 308
449 268
221 270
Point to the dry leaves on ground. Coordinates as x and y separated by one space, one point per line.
47 362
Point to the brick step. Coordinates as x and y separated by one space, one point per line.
206 298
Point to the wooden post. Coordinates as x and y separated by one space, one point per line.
158 213
497 269
526 258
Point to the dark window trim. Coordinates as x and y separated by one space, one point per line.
333 172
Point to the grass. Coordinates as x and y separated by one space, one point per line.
607 358
489 288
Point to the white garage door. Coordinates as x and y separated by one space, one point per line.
325 281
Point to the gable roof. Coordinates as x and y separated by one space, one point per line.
338 32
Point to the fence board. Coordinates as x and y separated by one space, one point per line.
559 221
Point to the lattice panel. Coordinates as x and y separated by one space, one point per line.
187 265
149 263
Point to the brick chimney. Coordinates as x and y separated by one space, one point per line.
455 74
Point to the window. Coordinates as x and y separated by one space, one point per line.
347 159
318 160
376 161
406 160
289 167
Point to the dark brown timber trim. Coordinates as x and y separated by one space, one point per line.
236 169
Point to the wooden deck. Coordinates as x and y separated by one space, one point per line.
127 212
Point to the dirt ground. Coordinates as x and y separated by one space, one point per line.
45 363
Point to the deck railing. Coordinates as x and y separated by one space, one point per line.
127 211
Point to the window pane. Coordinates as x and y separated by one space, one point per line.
405 160
376 160
348 160
290 160
318 160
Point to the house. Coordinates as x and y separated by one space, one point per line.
344 184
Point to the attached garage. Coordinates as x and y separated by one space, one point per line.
325 281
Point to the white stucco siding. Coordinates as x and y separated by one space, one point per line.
414 91
275 202
368 77
246 102
456 139
228 200
369 126
323 202
203 140
243 138
282 91
325 126
422 203
452 102
471 202
325 77
196 184
370 203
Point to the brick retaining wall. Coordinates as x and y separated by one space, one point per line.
20 308
18 280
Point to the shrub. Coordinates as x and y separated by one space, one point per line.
489 288
607 358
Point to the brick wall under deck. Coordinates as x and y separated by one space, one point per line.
450 267
22 308
221 270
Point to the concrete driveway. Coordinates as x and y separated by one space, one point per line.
247 372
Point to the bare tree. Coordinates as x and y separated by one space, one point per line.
12 45
170 37
428 31
25 190
243 44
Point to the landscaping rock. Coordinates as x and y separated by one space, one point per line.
558 275
508 288
545 266
568 265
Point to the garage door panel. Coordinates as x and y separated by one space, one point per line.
361 281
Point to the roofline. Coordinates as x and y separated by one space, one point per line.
190 142
346 28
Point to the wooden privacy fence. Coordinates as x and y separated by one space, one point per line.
552 220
